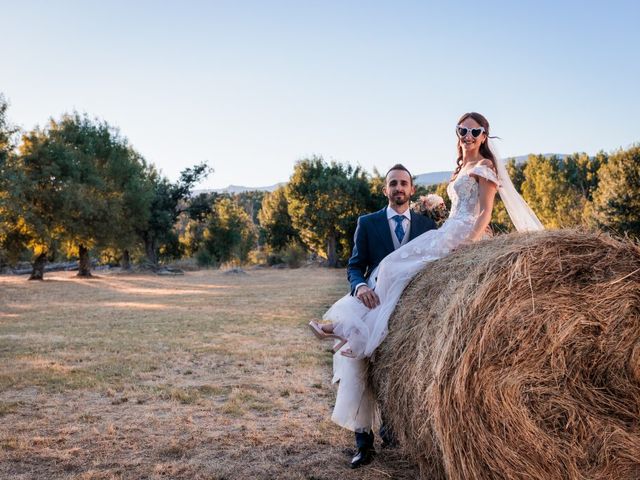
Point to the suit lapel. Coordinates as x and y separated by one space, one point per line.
413 232
382 227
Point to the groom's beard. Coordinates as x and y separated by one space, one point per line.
400 200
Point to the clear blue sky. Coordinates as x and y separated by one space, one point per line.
253 86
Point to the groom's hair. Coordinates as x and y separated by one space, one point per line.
398 166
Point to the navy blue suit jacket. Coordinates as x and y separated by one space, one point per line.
372 242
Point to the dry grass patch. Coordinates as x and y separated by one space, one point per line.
8 407
198 376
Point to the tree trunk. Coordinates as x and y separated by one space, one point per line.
332 258
37 273
84 262
151 251
125 263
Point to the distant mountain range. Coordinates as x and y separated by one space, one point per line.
240 189
523 158
433 178
424 179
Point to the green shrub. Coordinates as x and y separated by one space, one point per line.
294 255
204 258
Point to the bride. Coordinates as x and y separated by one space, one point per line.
477 177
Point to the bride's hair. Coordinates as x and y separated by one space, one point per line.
485 151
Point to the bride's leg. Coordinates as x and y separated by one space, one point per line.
326 327
346 317
322 330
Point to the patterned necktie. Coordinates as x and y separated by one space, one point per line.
399 229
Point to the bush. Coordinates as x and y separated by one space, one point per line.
204 258
294 255
186 264
258 257
275 258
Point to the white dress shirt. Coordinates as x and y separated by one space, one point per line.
406 224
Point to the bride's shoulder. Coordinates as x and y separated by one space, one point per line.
485 162
485 169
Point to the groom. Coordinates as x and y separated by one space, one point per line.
377 235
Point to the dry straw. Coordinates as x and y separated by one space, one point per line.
519 358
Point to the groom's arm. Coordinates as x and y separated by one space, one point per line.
359 261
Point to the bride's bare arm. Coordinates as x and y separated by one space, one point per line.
486 195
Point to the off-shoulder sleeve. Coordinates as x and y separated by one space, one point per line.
485 172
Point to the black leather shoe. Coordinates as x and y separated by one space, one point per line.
390 444
387 436
363 457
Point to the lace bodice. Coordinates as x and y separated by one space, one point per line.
463 192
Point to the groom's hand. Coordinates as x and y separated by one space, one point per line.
368 297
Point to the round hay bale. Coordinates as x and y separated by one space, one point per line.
519 358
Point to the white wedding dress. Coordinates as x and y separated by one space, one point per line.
365 329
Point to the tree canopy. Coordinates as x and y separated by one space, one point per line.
77 185
275 220
617 198
325 200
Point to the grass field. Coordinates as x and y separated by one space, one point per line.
201 376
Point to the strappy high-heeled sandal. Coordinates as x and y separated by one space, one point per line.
322 335
348 353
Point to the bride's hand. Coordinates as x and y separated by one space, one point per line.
368 297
